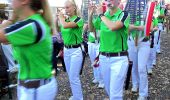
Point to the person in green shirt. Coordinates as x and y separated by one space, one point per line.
161 16
29 33
113 26
152 58
71 30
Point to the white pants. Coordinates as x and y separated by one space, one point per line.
93 51
44 92
139 56
73 60
114 70
158 36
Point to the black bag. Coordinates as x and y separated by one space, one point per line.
3 65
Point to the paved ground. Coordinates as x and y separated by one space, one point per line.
159 82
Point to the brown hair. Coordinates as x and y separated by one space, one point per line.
3 15
38 5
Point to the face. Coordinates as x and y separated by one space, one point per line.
16 4
112 3
69 8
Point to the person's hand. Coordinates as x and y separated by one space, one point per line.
60 15
91 9
99 9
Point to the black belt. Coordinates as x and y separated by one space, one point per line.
72 46
124 53
34 83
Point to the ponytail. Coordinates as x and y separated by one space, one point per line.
38 5
47 14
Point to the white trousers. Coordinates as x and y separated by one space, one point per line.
73 60
158 36
93 51
152 56
114 70
44 92
139 55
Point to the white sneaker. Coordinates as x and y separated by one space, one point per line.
134 89
142 98
95 81
150 71
71 98
101 86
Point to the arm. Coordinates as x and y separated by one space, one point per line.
57 25
90 18
133 27
3 38
67 24
112 25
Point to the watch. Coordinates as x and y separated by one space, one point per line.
101 15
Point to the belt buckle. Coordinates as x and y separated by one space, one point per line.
119 54
107 55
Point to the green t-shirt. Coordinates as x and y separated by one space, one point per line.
161 11
114 41
155 22
73 36
34 57
91 37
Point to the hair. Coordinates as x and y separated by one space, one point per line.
3 15
77 11
39 5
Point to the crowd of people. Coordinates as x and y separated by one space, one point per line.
32 41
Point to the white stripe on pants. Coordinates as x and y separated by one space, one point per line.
73 59
44 92
114 70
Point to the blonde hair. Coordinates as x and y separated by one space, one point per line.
77 10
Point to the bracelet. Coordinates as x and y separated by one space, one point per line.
101 15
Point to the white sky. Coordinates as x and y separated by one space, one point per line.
60 3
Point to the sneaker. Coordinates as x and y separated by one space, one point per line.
149 71
71 98
159 52
101 86
134 89
95 81
142 98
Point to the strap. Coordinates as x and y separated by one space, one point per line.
39 32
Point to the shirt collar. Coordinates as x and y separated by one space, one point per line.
115 14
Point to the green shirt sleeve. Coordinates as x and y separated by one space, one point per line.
79 21
125 19
22 33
